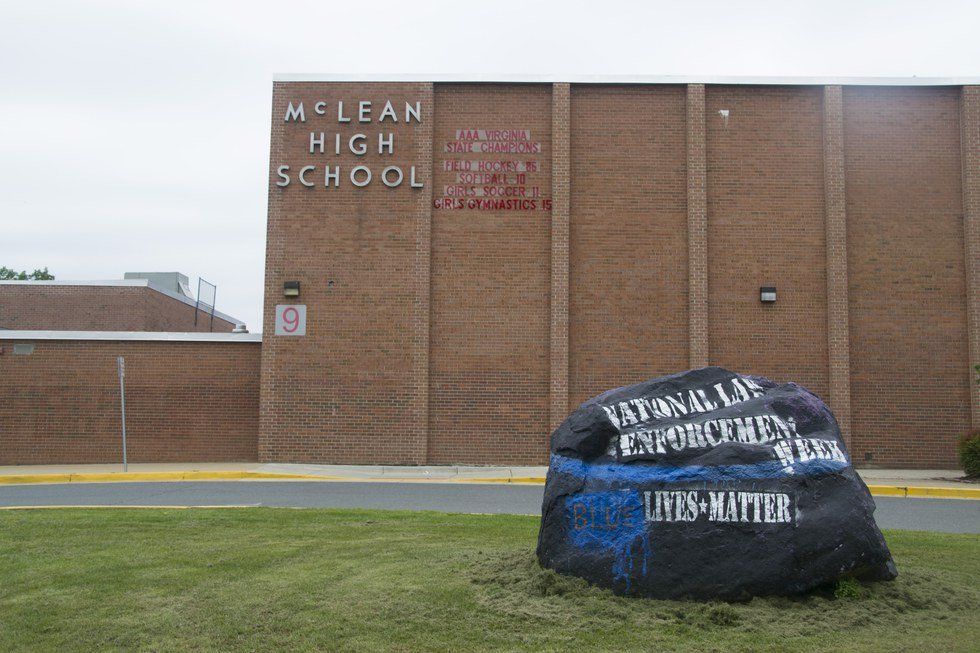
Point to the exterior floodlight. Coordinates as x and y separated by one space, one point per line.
290 289
767 294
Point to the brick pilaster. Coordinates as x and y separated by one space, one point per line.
274 261
835 218
697 229
421 279
970 163
560 110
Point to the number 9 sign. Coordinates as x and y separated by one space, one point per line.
290 320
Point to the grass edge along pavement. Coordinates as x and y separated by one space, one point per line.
905 491
328 579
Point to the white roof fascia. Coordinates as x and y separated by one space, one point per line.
130 336
95 282
631 79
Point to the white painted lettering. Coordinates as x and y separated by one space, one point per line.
367 176
340 112
295 113
386 143
302 176
284 178
415 111
397 181
388 112
358 144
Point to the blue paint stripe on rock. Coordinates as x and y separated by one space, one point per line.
631 473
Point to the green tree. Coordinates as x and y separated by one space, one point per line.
6 274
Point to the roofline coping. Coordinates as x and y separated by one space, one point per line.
130 336
120 283
763 80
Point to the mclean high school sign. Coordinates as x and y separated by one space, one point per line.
326 143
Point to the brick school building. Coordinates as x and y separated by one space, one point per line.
453 265
474 259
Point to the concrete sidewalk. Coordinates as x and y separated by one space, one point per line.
882 482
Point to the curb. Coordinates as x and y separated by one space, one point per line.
919 492
122 477
903 491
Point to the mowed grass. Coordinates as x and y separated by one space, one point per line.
353 580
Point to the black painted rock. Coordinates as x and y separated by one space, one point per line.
707 484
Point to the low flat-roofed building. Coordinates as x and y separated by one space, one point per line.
131 304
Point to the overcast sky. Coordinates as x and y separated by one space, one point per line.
135 135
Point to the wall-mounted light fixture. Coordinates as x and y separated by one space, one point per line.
767 294
290 289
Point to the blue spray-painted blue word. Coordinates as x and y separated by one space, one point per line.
610 522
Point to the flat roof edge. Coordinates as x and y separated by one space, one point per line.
122 283
118 283
130 336
763 80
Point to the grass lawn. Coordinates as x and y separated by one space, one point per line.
356 580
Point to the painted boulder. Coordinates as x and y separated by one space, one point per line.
707 484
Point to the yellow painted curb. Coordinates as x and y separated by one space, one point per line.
35 478
115 477
888 491
912 491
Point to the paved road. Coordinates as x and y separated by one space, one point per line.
943 515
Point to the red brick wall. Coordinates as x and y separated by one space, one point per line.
454 335
835 218
766 228
909 383
628 232
168 314
185 401
490 320
697 229
970 164
346 392
560 168
98 308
